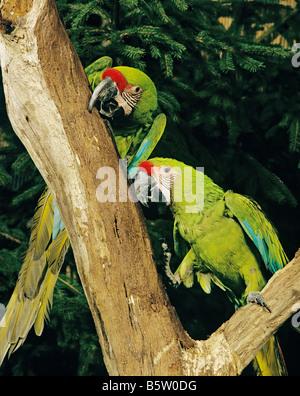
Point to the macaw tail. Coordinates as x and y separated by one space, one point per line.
21 315
269 361
32 297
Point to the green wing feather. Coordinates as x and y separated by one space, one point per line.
205 281
185 271
95 70
148 144
258 228
124 145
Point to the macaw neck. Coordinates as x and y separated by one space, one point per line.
212 192
124 128
194 194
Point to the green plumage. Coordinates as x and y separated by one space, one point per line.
229 242
130 131
147 105
142 115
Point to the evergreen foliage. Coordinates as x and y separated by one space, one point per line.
232 102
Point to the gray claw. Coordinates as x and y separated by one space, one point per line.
174 280
256 297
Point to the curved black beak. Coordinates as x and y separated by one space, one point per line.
105 92
147 189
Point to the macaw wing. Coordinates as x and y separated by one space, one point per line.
123 144
258 228
95 70
148 144
191 264
185 271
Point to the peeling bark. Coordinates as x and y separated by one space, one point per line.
47 98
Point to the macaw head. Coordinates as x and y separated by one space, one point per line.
160 174
115 94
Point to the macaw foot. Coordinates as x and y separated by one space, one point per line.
256 297
174 279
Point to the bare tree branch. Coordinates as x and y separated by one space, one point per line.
232 347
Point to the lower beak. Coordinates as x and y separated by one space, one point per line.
104 92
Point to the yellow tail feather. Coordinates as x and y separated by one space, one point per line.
31 275
57 251
42 224
32 297
45 302
269 361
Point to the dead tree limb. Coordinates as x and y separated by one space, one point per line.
47 97
239 339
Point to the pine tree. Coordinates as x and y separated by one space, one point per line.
231 98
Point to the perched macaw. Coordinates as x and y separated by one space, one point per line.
128 98
224 238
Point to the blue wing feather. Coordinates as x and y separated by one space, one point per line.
258 241
58 224
259 230
148 144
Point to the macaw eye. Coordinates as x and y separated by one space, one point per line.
134 90
167 170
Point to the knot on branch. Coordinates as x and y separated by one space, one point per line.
297 254
10 11
6 27
213 357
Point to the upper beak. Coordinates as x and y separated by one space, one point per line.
105 92
147 189
142 184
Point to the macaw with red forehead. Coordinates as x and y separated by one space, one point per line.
223 238
128 98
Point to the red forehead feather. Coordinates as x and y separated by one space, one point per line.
117 76
146 166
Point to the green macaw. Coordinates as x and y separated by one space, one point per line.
128 97
226 238
120 90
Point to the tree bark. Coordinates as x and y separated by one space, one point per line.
47 96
